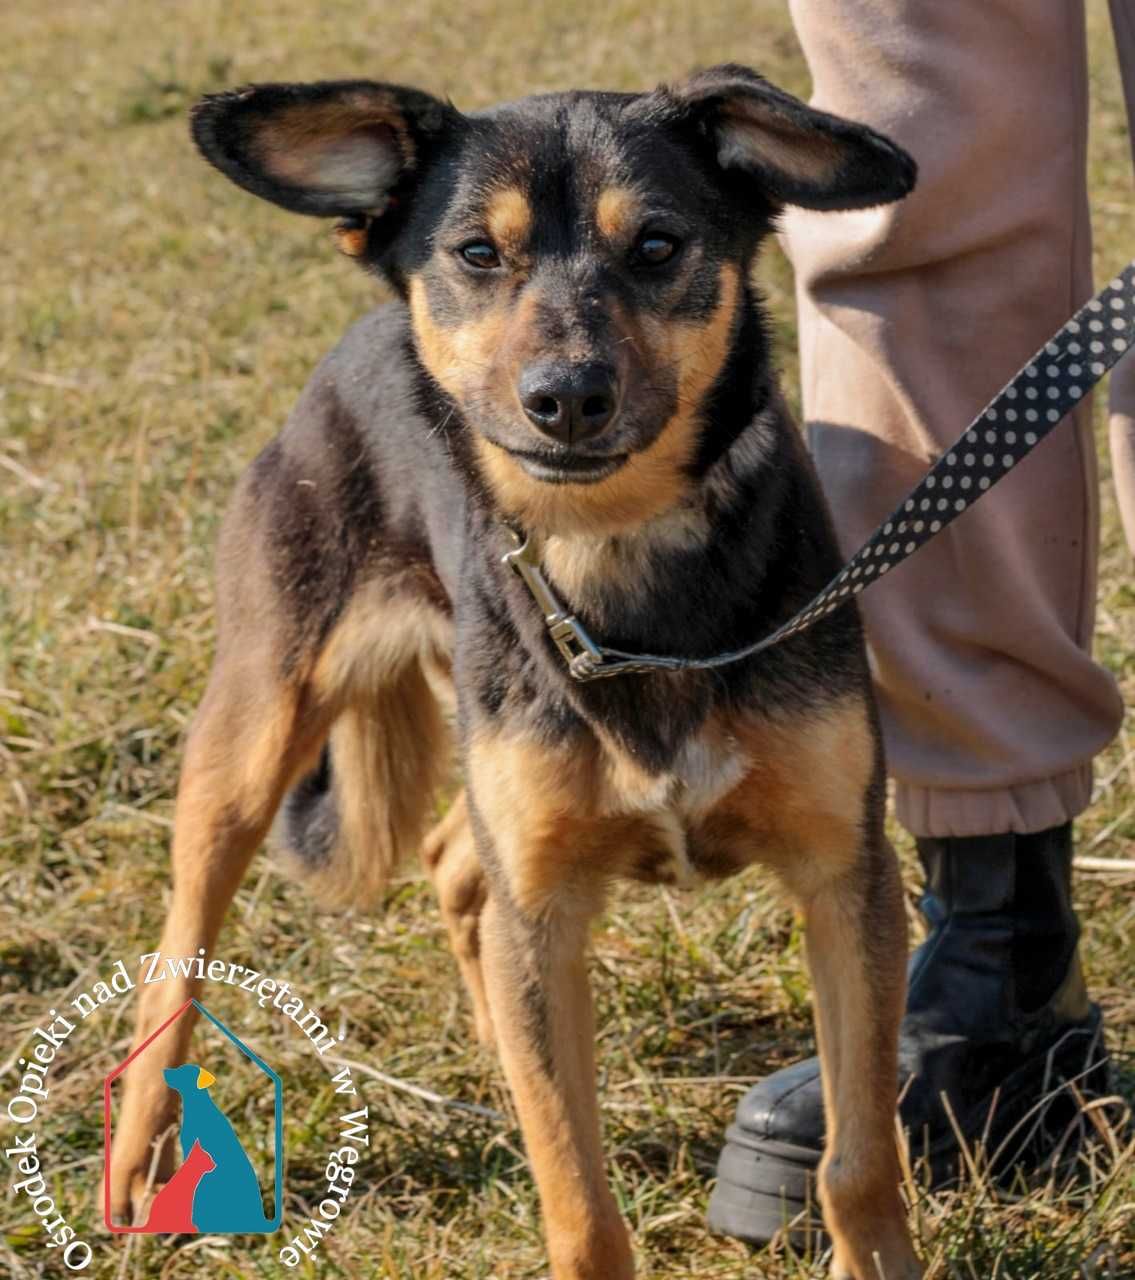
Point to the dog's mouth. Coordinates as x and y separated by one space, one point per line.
554 466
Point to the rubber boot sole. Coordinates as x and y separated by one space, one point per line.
765 1187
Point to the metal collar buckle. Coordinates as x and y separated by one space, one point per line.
578 650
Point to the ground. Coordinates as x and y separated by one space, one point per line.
155 327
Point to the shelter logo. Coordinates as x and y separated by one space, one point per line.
216 1187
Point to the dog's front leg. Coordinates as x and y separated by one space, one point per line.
541 1009
547 849
856 941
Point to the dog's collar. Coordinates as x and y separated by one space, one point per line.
1009 428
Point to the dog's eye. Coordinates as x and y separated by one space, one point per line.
479 253
654 249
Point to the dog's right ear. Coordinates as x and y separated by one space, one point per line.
334 149
791 152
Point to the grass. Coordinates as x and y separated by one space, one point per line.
155 327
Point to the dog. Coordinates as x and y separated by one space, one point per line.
577 355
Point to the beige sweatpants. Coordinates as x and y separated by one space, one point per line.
911 318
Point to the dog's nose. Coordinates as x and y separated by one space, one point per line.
569 402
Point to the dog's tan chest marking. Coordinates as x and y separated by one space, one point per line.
799 805
569 815
554 832
706 769
787 792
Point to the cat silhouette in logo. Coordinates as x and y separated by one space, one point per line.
172 1210
227 1198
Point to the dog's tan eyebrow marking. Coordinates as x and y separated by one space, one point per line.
617 212
508 218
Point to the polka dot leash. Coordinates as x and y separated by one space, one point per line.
1009 428
1014 422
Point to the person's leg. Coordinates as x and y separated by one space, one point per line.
1122 400
911 318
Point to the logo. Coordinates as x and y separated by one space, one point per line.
228 1104
217 1187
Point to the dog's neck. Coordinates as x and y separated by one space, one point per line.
591 572
588 569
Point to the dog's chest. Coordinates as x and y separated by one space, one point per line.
674 803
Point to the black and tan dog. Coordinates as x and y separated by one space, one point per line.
578 352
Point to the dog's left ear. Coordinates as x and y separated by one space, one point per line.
797 155
333 149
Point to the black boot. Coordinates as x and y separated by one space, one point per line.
997 1019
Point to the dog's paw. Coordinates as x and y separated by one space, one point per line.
904 1266
136 1176
131 1198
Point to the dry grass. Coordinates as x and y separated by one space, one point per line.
156 327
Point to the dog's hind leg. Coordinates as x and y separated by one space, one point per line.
449 854
253 734
282 688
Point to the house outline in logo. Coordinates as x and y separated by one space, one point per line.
278 1128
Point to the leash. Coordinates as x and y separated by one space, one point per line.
1008 429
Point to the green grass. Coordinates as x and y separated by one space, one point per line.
155 328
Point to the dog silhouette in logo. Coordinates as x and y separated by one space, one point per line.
227 1197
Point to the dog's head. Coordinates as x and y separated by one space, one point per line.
576 264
